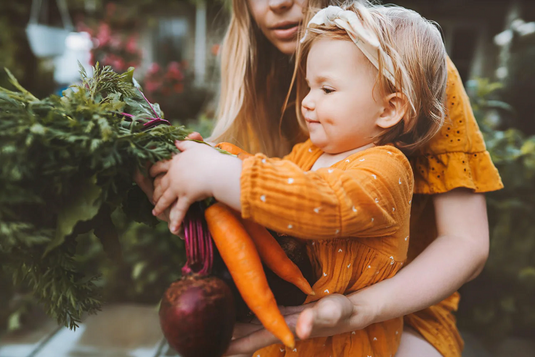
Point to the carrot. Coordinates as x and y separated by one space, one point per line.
268 248
241 257
274 256
233 149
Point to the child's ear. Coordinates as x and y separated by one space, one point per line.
394 110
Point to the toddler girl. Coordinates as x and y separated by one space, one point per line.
375 83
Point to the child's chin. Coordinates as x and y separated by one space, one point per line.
320 144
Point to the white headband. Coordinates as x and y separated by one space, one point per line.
365 40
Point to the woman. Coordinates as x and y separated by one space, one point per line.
449 239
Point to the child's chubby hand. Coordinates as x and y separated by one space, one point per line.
190 176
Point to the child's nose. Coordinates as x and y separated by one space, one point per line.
308 103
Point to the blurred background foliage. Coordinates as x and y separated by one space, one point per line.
497 304
500 301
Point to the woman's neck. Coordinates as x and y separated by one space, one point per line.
327 160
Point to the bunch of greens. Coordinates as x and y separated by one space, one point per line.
66 164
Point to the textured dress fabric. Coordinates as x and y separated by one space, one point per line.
355 218
456 157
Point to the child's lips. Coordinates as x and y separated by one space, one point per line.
310 121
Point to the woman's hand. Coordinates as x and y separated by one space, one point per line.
150 184
250 337
331 315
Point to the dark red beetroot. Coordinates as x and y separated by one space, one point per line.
197 316
197 313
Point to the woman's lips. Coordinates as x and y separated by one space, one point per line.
285 32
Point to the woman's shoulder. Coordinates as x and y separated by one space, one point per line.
460 132
457 155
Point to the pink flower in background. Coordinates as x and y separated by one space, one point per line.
119 64
115 39
174 71
116 42
153 69
131 44
164 83
104 34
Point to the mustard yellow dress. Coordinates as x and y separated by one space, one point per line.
456 157
355 217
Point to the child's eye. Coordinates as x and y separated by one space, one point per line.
327 90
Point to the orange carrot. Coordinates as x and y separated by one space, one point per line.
274 256
241 257
233 149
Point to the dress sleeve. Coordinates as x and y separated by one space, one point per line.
456 156
364 196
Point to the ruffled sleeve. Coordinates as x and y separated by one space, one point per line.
456 156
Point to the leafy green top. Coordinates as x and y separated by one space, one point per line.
67 164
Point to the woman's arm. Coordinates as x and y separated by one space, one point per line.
455 257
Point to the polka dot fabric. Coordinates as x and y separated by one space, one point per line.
354 216
455 157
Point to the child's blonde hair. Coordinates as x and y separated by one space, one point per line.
419 57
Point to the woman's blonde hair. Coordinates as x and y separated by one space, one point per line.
417 51
255 78
253 110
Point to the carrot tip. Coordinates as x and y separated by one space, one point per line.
312 293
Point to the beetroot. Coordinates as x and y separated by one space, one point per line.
197 316
197 312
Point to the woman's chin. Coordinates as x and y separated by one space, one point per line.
287 47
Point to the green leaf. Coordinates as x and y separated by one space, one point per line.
14 321
82 208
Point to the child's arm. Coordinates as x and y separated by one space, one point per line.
366 196
197 172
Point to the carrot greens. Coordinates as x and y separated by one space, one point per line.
66 164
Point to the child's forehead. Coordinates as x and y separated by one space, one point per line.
334 57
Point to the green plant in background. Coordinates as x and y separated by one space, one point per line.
500 302
519 85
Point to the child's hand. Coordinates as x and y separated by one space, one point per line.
186 181
198 172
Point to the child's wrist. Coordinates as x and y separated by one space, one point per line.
226 188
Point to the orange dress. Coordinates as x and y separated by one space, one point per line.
355 216
455 157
